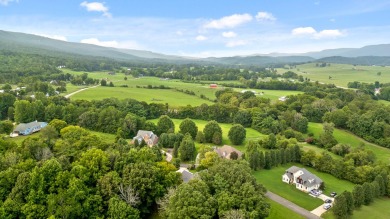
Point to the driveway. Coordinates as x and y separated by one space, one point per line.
319 211
69 95
305 213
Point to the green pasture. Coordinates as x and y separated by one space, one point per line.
272 180
250 133
379 209
341 74
342 136
170 96
279 211
384 102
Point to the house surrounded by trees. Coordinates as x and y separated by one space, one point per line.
149 137
28 128
226 151
302 178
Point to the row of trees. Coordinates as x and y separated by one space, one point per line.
364 194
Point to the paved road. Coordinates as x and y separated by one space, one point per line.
68 95
305 213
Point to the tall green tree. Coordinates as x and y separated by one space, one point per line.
237 134
187 148
188 126
165 125
190 200
210 129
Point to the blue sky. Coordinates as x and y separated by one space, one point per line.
204 27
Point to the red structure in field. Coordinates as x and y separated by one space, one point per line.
213 85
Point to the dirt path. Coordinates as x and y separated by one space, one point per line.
77 91
305 213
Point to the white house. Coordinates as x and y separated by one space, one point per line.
302 178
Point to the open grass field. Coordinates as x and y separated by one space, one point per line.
384 102
250 133
170 96
278 211
341 73
342 136
379 209
272 180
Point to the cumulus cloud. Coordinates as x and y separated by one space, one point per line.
329 34
201 38
310 31
96 6
303 31
236 43
265 16
96 41
229 21
229 34
6 2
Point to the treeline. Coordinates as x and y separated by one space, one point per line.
365 194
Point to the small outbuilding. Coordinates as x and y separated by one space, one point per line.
213 86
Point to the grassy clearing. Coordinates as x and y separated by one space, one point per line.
384 102
306 147
172 97
272 180
341 73
382 154
378 209
278 211
250 133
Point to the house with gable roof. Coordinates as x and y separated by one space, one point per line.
302 178
149 137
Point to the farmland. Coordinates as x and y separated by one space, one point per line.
341 74
136 88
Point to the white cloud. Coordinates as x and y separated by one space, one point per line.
201 38
229 34
265 16
229 21
329 34
96 6
332 20
5 2
96 41
236 43
303 31
310 31
179 33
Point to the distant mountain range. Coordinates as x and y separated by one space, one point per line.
33 44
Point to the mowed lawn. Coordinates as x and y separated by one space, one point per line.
342 136
341 74
250 133
271 94
279 211
272 180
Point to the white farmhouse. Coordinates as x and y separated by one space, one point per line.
302 178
